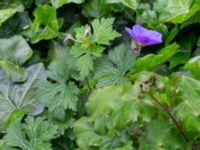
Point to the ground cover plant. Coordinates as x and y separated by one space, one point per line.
99 74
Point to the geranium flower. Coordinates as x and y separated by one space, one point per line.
144 37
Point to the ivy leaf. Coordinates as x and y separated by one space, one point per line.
182 56
103 32
188 109
61 95
151 61
34 134
9 8
15 25
175 11
193 65
129 3
45 25
194 19
14 52
179 58
112 70
95 9
21 96
169 139
59 3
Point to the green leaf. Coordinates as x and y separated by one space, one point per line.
160 135
85 65
172 35
59 3
61 70
194 19
44 26
34 134
15 49
58 51
9 8
15 115
129 3
119 104
84 57
84 60
151 61
179 58
198 42
61 95
193 65
188 109
21 96
88 45
96 9
112 70
191 39
27 3
14 52
67 123
145 13
103 32
1 144
106 126
15 25
13 72
111 98
175 11
85 133
183 55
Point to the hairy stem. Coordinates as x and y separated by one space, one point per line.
165 109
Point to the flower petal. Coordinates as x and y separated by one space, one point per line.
154 37
129 31
138 31
144 36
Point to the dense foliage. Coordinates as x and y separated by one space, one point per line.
71 76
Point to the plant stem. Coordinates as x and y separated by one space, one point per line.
165 109
129 15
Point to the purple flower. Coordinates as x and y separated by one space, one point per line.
143 36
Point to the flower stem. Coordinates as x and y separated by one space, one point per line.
129 15
136 48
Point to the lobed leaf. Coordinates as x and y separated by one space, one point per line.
34 134
112 70
103 32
